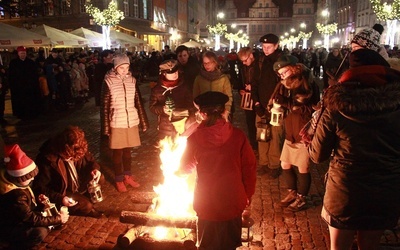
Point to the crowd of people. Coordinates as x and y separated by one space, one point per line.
351 119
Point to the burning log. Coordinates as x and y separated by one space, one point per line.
124 240
151 244
154 220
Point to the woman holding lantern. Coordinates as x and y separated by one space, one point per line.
297 93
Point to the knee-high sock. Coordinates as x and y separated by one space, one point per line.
289 176
304 183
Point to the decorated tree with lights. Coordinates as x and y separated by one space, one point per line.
326 30
217 30
389 13
305 36
106 19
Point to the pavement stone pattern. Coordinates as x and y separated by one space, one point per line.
274 227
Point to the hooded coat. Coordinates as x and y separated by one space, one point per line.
226 170
360 129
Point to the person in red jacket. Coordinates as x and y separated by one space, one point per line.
226 174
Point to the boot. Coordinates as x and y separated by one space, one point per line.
120 186
128 180
290 197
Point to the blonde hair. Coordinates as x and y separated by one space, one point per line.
245 52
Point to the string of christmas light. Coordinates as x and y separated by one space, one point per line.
108 17
327 29
218 29
386 11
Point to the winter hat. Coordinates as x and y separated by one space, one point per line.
21 48
120 59
19 166
368 39
269 38
169 66
284 61
211 99
378 27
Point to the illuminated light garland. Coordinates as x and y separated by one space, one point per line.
219 29
386 11
303 35
108 17
327 29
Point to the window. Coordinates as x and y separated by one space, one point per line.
300 11
273 28
243 14
14 9
48 8
135 8
308 11
1 13
82 4
267 14
260 14
267 28
259 28
126 8
253 28
31 10
145 9
65 7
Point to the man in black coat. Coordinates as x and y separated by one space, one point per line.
24 85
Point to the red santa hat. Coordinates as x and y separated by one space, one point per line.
19 166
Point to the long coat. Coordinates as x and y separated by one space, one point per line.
24 87
360 128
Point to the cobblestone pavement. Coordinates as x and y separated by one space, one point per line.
274 227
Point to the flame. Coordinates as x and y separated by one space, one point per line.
175 194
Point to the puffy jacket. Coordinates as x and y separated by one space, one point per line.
360 129
121 103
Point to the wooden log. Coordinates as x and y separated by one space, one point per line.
124 240
154 220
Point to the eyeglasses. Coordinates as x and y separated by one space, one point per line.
245 60
283 73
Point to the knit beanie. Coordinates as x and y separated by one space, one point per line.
368 39
120 59
18 165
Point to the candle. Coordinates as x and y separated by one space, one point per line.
71 201
262 136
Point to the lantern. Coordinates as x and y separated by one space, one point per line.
49 208
247 223
263 131
247 102
94 189
276 115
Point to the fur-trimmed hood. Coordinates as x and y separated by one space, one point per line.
365 93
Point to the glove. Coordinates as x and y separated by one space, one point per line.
260 111
280 99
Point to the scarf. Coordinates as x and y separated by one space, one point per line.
210 75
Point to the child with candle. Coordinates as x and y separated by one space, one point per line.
21 221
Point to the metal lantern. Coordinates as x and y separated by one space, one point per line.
246 102
276 115
247 223
263 131
94 189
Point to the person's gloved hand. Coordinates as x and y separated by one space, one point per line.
260 111
280 99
